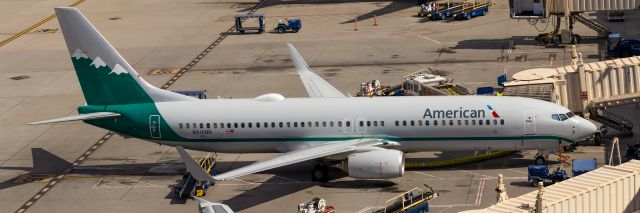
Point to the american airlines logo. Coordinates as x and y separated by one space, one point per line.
459 113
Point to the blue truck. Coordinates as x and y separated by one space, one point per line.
289 25
618 47
539 173
472 10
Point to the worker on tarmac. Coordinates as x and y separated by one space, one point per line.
501 190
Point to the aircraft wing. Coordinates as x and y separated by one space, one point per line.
315 85
320 151
87 116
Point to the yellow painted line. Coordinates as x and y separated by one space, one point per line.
25 31
453 162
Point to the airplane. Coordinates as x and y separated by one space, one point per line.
365 136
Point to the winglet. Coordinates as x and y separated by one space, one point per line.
196 171
315 85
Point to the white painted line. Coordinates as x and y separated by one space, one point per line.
475 173
425 174
513 170
430 39
480 189
287 178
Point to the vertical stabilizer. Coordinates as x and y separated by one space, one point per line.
105 77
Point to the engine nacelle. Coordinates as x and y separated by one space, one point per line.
378 164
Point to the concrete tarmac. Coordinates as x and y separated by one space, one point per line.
130 175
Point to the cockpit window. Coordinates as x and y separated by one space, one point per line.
555 117
570 114
563 117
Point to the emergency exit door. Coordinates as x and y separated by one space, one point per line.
529 122
154 126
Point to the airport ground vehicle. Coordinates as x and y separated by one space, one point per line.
472 10
541 173
581 166
412 201
618 47
292 25
189 186
241 18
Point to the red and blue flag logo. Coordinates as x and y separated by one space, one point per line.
493 112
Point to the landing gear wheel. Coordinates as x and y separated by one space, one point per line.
320 173
540 160
597 139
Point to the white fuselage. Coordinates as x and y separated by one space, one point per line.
417 123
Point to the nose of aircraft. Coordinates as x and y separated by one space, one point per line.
585 128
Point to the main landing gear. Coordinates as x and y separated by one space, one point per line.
320 172
541 157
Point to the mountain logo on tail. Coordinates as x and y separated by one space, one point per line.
97 62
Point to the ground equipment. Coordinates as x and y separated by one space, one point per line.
412 201
581 166
619 47
539 173
316 205
292 25
189 186
473 9
243 17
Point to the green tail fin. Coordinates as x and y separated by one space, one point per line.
105 77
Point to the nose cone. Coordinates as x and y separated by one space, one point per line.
585 129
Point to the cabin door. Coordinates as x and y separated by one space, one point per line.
529 122
154 126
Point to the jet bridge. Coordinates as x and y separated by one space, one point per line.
585 88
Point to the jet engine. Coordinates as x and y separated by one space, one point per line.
378 164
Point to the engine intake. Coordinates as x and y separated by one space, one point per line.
378 164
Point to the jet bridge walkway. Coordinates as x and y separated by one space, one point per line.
584 88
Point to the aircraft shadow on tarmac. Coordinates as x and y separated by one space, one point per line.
393 6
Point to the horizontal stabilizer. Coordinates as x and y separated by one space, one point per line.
81 117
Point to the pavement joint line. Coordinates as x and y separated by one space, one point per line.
32 27
104 138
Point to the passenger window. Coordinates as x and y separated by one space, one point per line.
444 123
229 125
397 123
235 125
368 123
480 122
466 122
488 122
339 123
302 124
435 123
413 123
473 122
309 124
250 124
324 124
317 124
426 123
266 125
257 124
495 122
242 125
295 124
450 122
280 124
375 123
459 123
273 124
215 125
187 125
404 123
180 125
348 123
501 121
381 123
195 126
331 123
419 122
222 125
288 124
